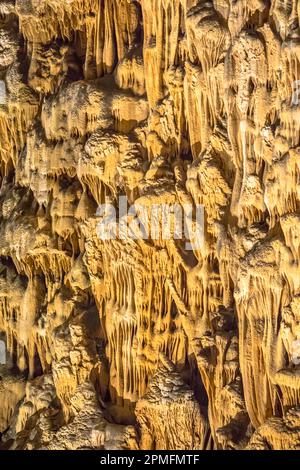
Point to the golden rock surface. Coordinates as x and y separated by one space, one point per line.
132 343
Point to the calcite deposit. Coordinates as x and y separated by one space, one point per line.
121 339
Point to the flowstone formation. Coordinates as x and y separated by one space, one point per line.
157 342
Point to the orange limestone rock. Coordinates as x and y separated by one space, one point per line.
149 224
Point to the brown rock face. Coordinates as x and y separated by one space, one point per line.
149 224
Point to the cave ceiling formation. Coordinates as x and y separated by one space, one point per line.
150 343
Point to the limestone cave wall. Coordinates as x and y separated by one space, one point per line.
134 343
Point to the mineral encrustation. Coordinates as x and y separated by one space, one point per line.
113 336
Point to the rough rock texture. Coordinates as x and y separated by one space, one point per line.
130 343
